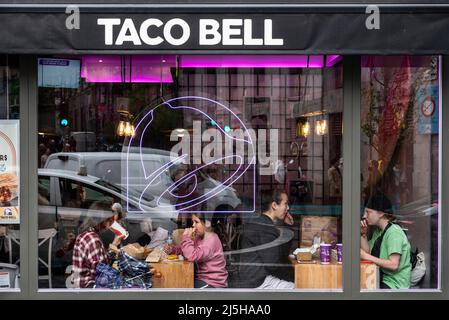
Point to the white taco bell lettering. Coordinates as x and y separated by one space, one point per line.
235 32
149 31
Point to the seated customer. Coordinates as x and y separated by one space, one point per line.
388 247
267 268
89 250
202 246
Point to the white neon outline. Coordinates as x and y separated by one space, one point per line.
160 171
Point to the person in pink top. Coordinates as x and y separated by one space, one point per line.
202 246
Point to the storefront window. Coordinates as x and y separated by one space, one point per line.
9 174
400 121
220 171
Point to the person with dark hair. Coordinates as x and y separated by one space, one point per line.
89 250
202 246
268 267
388 247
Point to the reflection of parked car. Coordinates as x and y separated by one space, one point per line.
64 199
66 195
111 167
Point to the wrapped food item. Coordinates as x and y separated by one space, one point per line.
303 254
135 250
154 256
306 254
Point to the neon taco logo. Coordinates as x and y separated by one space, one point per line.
215 149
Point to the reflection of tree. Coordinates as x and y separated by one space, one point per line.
405 135
387 127
370 125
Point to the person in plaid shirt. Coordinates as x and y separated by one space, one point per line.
89 250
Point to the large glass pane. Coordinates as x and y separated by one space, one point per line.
400 170
9 174
193 150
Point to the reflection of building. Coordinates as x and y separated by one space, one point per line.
408 160
320 100
260 97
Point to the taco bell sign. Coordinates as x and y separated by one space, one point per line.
177 32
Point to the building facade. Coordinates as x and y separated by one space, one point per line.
175 112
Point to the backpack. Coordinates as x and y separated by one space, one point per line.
418 263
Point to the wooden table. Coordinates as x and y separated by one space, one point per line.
330 276
173 274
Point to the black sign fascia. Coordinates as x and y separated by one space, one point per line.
311 33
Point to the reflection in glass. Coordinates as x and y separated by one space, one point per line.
400 175
192 147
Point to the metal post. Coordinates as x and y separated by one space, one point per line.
351 174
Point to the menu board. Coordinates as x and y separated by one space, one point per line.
9 172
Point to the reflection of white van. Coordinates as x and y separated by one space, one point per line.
111 167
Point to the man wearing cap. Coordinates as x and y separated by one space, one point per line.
388 247
89 250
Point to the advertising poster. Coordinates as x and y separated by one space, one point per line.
9 172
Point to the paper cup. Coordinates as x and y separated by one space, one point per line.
339 253
119 230
325 253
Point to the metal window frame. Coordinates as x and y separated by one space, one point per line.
24 86
351 204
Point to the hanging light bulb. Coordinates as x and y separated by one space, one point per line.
121 128
321 127
304 129
128 130
133 130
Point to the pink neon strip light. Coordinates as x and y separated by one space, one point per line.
333 60
138 69
157 68
254 61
